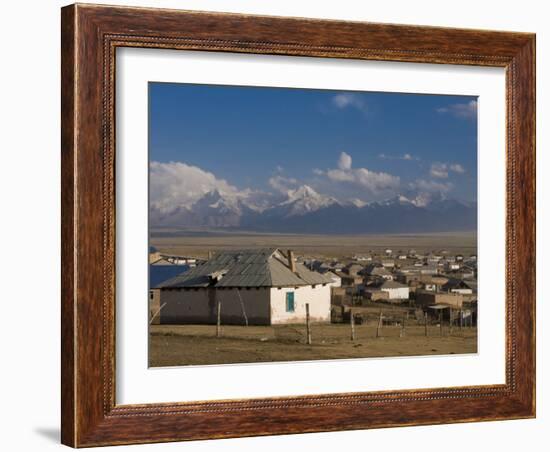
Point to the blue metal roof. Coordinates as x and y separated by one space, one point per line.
161 273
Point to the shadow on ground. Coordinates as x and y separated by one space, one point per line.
51 433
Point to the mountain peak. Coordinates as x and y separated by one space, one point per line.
359 203
304 191
305 200
214 199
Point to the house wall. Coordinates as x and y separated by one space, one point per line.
398 293
375 295
154 306
351 280
318 298
407 277
428 271
430 298
187 306
337 296
462 291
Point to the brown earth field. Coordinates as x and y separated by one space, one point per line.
179 345
199 243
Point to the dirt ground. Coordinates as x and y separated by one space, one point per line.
323 246
177 345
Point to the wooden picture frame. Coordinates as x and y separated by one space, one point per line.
90 36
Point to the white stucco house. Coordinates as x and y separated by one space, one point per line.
464 287
395 290
336 280
263 287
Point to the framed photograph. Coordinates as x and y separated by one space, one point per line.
282 225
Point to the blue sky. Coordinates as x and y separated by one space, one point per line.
362 145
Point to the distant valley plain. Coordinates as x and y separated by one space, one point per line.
197 243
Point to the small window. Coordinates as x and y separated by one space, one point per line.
290 302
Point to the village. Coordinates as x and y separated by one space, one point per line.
268 304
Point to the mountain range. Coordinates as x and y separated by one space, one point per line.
305 211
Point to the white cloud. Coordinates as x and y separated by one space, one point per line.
422 199
457 168
466 110
362 177
177 184
439 170
425 191
431 186
376 181
344 162
347 100
339 175
318 172
282 184
405 156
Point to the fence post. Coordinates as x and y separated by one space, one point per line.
219 319
379 324
441 322
308 328
352 324
402 330
450 321
426 324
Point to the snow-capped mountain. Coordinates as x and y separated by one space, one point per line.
306 211
303 201
214 210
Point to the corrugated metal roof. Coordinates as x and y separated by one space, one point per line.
162 261
312 277
454 283
389 284
265 267
160 273
378 271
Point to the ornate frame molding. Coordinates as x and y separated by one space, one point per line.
90 37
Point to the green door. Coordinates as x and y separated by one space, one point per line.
290 302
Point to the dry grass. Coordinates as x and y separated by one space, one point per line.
199 244
177 345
